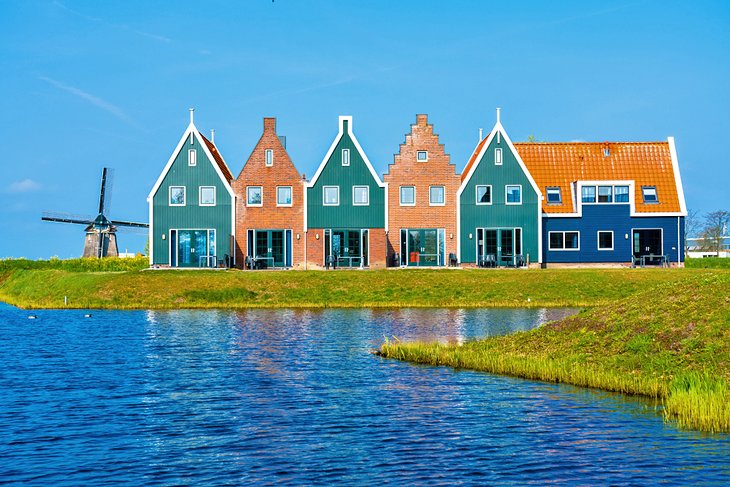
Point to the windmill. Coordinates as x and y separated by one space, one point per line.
101 232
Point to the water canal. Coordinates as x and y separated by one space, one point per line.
295 397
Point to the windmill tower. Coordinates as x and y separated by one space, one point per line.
101 232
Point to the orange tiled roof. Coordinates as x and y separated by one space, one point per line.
562 163
473 158
218 159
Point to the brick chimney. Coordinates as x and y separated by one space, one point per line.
270 124
422 119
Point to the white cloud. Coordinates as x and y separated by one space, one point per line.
24 186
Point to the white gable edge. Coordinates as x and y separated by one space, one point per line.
677 177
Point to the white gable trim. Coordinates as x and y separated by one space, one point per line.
331 150
677 177
190 130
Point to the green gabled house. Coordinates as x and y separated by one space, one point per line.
192 207
499 206
345 219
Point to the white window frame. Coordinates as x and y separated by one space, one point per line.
430 201
291 196
560 195
355 188
598 240
346 152
506 192
643 195
400 196
200 196
498 156
324 193
553 249
269 157
476 193
628 194
169 196
248 196
598 194
418 156
192 157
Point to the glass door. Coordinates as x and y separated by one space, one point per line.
647 242
500 246
192 248
270 248
505 251
429 248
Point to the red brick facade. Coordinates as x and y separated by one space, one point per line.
269 216
408 171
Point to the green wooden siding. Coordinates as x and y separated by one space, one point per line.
335 174
191 216
499 214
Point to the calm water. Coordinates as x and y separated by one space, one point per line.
295 397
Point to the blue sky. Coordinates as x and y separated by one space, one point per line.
89 84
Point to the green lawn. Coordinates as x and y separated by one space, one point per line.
146 289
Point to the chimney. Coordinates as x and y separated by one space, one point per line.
422 119
282 140
212 135
270 124
191 114
480 134
498 110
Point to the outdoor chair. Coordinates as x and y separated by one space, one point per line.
453 261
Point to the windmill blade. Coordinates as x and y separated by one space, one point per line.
48 216
120 223
132 230
107 182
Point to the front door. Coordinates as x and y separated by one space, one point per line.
499 246
349 248
192 248
647 242
270 247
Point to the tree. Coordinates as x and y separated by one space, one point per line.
692 228
716 224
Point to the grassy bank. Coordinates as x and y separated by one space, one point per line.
670 341
135 289
708 263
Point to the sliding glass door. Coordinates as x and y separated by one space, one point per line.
192 248
422 247
499 246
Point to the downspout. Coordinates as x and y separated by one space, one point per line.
679 240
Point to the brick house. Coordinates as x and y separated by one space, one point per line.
346 216
269 206
422 186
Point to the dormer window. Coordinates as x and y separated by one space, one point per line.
422 156
345 157
192 157
498 156
650 194
269 157
553 195
606 152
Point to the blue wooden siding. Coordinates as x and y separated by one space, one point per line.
616 218
191 216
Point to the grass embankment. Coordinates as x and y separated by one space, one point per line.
135 289
670 341
708 263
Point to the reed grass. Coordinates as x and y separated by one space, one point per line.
670 341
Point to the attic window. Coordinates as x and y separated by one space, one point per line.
650 195
269 157
422 156
345 157
498 157
192 157
606 152
554 196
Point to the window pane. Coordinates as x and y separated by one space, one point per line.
407 195
571 240
269 157
621 194
605 240
650 195
422 155
177 195
513 194
254 195
437 195
553 195
207 196
605 194
331 195
484 194
192 157
589 194
345 157
498 156
361 194
283 195
556 240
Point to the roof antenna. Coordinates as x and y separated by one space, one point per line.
498 110
480 134
212 135
191 114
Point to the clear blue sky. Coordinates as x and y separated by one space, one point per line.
87 84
